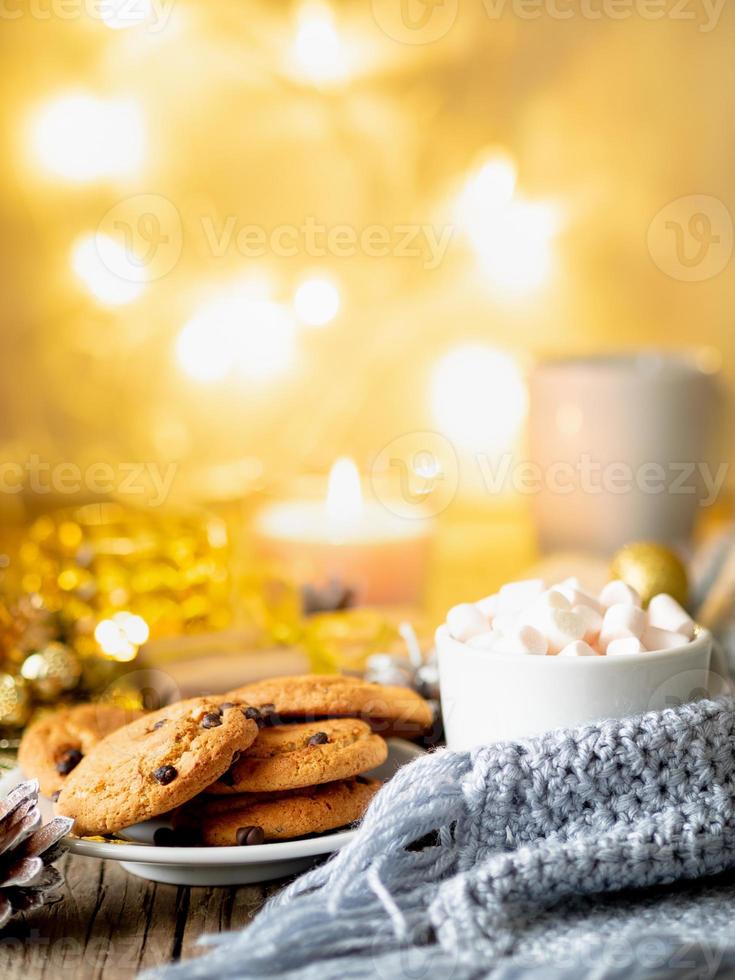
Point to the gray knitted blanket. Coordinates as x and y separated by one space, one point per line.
602 851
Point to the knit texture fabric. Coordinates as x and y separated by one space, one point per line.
538 857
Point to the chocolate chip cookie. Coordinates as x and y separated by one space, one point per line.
254 818
388 709
292 756
154 764
55 744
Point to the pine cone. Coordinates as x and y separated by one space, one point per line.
27 848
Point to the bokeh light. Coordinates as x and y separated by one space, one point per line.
236 331
478 398
487 190
80 137
317 54
107 269
121 636
317 301
511 237
515 250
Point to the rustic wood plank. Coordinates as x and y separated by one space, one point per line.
214 910
109 925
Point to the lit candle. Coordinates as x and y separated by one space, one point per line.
361 544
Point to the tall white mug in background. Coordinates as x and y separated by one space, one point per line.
622 442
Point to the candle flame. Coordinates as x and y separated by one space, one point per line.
344 494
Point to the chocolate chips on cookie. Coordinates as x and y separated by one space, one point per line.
53 746
292 756
234 772
144 769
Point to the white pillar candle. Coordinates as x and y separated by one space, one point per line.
362 544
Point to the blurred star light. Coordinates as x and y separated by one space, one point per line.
478 398
134 627
317 54
237 331
81 137
487 190
121 636
511 237
316 301
107 269
515 249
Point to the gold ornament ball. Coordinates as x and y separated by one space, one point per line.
650 568
52 671
15 701
338 642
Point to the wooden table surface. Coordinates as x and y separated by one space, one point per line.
110 924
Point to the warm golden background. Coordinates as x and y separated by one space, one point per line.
545 147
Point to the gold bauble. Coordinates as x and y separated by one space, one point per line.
650 568
342 641
15 701
52 671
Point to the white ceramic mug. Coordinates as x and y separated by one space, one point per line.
621 441
491 697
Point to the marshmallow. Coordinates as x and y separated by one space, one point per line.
556 599
578 649
657 639
465 620
515 596
483 641
577 596
592 621
617 593
621 620
623 646
505 622
537 613
488 606
665 613
561 627
552 616
524 640
526 618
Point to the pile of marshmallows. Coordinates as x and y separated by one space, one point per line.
564 620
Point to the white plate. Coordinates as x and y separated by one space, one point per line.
216 865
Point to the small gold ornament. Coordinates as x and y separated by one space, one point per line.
650 568
52 671
342 642
15 701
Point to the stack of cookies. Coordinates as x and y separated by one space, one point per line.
270 761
